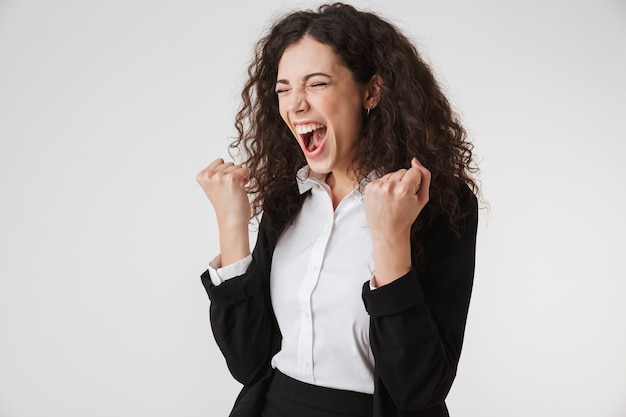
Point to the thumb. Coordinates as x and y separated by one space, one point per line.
414 173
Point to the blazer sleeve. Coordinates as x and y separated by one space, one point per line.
241 315
417 322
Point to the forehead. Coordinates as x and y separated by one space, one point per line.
308 56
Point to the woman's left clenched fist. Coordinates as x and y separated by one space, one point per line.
392 203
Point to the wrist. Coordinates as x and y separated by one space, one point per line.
233 223
392 259
234 243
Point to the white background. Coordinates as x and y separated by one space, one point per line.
109 108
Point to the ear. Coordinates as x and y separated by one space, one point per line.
373 92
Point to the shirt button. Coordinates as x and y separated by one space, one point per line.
306 364
306 314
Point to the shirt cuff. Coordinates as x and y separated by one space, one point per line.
220 274
370 265
372 286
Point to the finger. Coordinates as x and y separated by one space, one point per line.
224 167
238 170
244 173
423 192
423 170
397 175
215 164
203 175
413 176
385 177
229 167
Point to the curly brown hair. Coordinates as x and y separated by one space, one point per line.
413 117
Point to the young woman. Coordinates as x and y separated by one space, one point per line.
354 300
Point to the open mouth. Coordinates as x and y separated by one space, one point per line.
312 135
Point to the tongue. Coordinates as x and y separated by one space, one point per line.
317 137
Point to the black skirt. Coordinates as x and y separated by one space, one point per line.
287 397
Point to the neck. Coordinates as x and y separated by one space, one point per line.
340 186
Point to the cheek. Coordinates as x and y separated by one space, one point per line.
351 116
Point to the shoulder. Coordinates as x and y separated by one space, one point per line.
439 234
468 204
464 213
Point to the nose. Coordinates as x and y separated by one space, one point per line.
298 103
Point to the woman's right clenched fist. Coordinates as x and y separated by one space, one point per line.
224 184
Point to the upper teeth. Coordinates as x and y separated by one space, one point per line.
302 129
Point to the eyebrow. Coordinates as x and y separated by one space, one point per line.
306 77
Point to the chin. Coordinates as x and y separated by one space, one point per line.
319 168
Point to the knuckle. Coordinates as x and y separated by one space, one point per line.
221 177
214 178
203 176
382 188
402 189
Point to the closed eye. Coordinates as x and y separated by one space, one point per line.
318 85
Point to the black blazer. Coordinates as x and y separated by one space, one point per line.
416 322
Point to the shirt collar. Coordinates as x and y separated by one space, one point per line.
307 179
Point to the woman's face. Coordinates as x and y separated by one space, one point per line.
322 104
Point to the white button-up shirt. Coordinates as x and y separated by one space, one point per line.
319 266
